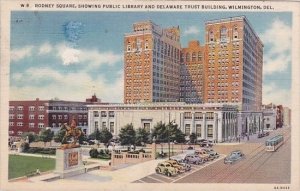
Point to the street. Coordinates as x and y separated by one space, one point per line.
259 166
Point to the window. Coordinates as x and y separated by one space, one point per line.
223 37
96 124
41 108
187 129
209 131
103 114
187 57
104 125
31 108
20 108
54 117
41 117
235 32
96 114
20 116
65 116
11 116
198 115
211 36
111 114
59 116
209 115
79 116
19 124
11 108
85 117
11 123
31 125
187 115
111 127
41 125
20 132
199 56
194 56
53 125
147 127
198 130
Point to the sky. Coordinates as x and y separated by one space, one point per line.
72 55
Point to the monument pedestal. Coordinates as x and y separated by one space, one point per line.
69 162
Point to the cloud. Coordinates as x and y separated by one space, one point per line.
191 30
45 48
277 38
66 86
88 57
272 93
18 54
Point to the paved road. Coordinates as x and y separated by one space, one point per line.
259 166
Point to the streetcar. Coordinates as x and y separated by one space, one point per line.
274 143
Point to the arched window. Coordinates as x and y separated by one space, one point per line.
211 36
235 32
223 34
194 56
199 56
187 57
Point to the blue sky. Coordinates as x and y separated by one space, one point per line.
70 55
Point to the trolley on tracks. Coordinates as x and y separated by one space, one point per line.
274 143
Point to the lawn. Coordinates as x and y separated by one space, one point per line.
23 165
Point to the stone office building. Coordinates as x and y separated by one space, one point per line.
216 122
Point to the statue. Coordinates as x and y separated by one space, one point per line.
73 132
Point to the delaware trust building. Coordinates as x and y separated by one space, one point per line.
213 90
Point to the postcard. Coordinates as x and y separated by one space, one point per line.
149 95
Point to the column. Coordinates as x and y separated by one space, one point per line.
193 130
203 127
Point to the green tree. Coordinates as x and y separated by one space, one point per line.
82 138
163 132
95 135
142 136
193 138
31 136
58 137
105 135
46 135
127 135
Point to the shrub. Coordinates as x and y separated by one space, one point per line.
94 153
25 147
101 152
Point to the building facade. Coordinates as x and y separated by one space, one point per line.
269 113
151 63
215 122
286 117
192 73
234 63
34 115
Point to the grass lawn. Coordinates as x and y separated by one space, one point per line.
22 165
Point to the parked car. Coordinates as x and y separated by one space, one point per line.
266 133
182 167
233 157
204 155
260 135
193 159
205 143
166 169
211 152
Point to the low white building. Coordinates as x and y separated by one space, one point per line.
216 122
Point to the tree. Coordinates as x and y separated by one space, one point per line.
46 135
162 132
127 135
105 135
95 135
31 136
142 136
58 137
193 138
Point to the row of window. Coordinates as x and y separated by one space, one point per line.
30 108
187 130
30 125
104 126
21 116
104 114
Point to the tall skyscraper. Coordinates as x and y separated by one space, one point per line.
151 63
233 68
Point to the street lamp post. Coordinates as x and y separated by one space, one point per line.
169 135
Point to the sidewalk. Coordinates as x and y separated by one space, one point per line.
32 155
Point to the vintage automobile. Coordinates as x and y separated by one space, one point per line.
182 167
211 152
233 157
193 159
205 143
204 155
166 169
